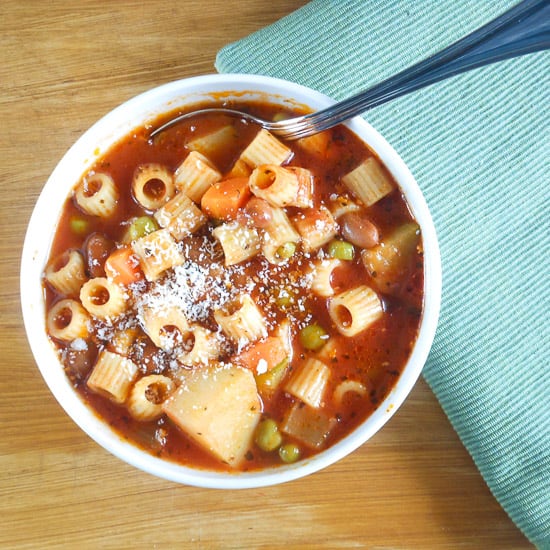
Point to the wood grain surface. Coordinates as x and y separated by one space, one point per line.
64 65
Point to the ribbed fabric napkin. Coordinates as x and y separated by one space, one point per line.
478 146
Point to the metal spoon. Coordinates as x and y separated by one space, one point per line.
523 29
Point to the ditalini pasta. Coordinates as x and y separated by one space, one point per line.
265 149
354 310
67 320
112 376
244 322
231 301
195 175
277 185
97 194
180 216
321 283
153 185
67 274
147 396
369 182
309 382
157 252
103 298
239 242
278 234
166 327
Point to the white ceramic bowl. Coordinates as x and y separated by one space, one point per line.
95 142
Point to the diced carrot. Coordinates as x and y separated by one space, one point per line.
122 267
223 200
263 355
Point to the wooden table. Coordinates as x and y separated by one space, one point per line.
64 65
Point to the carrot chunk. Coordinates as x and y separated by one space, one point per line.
225 198
264 354
122 267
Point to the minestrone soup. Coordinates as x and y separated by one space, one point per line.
230 301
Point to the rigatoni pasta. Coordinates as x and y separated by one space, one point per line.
230 300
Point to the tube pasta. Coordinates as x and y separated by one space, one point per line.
322 273
304 196
195 175
355 310
147 396
67 320
153 185
316 227
309 382
204 347
67 273
265 148
112 376
349 386
180 216
167 328
157 252
97 194
103 298
245 323
238 242
369 181
277 185
279 232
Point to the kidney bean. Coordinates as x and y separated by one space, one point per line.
358 229
258 211
79 362
97 249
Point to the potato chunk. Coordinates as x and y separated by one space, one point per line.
219 408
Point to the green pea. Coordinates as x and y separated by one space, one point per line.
313 337
79 225
289 452
341 250
140 227
286 250
268 437
285 299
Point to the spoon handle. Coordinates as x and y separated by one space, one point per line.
523 29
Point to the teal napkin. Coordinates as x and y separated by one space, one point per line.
478 146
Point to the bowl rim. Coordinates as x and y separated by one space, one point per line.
92 144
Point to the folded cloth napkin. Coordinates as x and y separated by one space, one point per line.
478 146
